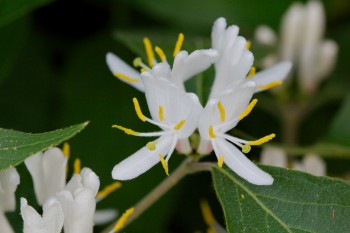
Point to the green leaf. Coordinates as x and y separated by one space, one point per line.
296 202
13 9
16 146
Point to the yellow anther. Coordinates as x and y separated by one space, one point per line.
137 62
77 166
248 109
109 189
178 44
270 85
248 44
211 230
161 113
151 145
221 161
126 78
251 72
160 53
211 132
246 148
180 124
206 212
143 70
126 130
66 149
138 110
164 164
121 221
262 140
149 51
222 111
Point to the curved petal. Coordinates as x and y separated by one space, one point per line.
186 66
275 73
86 179
9 180
240 164
218 32
5 225
117 65
53 215
142 160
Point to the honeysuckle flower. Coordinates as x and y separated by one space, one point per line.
51 220
48 171
9 180
235 61
174 111
184 67
301 41
220 115
273 156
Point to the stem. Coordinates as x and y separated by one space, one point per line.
186 167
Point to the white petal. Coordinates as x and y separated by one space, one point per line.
4 224
9 180
186 66
53 215
204 147
104 216
183 146
86 179
161 70
265 35
142 160
314 165
48 171
274 157
240 164
277 72
218 32
117 65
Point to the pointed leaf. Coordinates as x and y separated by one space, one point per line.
296 202
16 146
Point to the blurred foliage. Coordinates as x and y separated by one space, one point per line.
53 74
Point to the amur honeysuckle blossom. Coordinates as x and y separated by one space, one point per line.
9 180
184 67
175 112
301 41
48 171
51 220
310 163
178 112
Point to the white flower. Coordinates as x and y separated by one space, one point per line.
235 61
174 111
51 220
78 202
273 156
184 67
220 115
301 41
48 171
9 180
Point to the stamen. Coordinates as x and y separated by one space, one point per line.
143 70
211 132
161 113
248 44
207 214
270 85
151 145
77 166
149 51
251 72
262 140
178 44
246 148
220 161
222 111
66 149
138 110
248 109
126 130
108 190
138 63
164 164
126 78
121 221
180 124
160 53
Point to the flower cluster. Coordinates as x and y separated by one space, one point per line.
179 113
